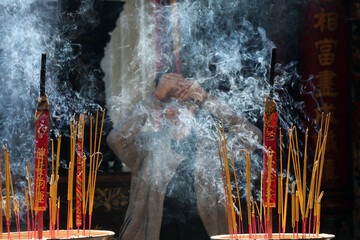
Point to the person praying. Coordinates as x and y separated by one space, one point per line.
169 141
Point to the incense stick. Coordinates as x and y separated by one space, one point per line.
287 181
248 173
27 212
225 190
293 217
280 182
95 168
318 213
228 182
279 203
305 165
261 192
90 170
236 184
297 217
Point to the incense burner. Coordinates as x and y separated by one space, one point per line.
322 236
63 234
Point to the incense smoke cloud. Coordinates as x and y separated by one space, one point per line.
224 45
29 28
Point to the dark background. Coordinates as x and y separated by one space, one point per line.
113 183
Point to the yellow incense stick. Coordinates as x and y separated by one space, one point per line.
99 143
225 191
248 176
253 207
7 184
236 184
92 190
90 167
227 174
281 175
296 162
297 206
261 192
318 213
56 177
257 208
12 191
311 192
279 196
58 155
287 181
270 155
317 156
327 122
96 126
30 189
293 206
305 166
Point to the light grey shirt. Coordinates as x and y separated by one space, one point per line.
153 164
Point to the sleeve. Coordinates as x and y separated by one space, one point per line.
247 133
126 139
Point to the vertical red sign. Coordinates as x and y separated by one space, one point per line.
41 157
324 62
270 122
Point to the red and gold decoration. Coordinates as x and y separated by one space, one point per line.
269 129
301 202
36 192
41 150
325 66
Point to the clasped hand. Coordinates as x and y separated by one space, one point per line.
173 86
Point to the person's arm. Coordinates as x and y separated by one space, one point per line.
248 134
126 139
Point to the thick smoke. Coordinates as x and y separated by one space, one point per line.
29 28
224 45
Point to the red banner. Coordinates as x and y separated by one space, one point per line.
79 183
41 157
324 58
270 122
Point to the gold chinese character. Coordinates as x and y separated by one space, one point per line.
326 83
326 57
326 19
270 133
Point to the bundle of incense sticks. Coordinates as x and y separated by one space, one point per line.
227 183
303 203
94 166
31 226
53 187
84 196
